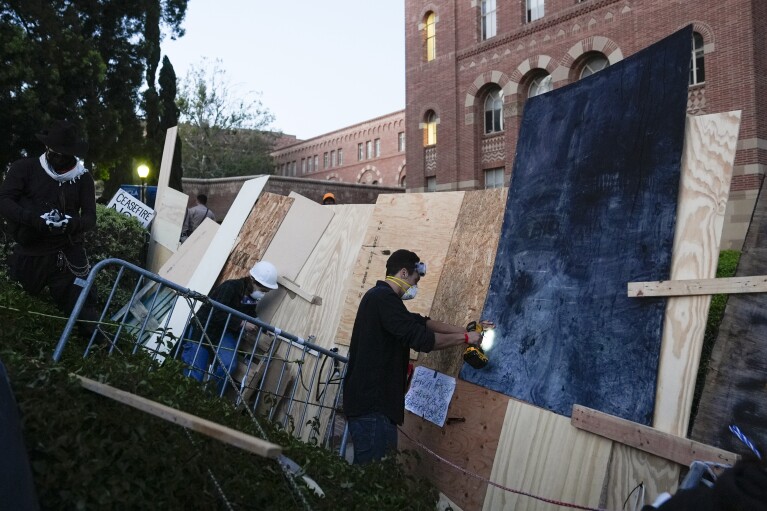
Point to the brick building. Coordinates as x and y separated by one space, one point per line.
471 64
371 153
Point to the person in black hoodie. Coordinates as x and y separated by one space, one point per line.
49 201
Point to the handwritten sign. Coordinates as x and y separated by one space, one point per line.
429 395
128 205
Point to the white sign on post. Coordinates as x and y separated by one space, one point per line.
430 394
125 203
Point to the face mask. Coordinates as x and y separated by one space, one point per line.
60 162
410 293
257 295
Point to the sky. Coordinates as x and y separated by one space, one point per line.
319 65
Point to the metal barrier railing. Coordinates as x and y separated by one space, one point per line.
265 369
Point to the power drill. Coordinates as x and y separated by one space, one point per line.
474 355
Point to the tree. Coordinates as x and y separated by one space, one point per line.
223 134
85 61
169 117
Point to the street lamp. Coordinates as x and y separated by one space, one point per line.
143 173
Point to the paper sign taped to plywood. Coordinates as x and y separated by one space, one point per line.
430 394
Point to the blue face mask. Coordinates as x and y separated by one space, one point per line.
257 295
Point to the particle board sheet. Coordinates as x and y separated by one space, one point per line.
255 235
539 452
710 142
466 275
170 209
420 222
181 265
591 206
468 439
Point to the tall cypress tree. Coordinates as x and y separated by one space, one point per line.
169 117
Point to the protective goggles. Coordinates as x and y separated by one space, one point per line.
420 267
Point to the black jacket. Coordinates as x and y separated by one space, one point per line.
384 332
27 192
231 293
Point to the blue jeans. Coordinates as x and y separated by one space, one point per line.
197 355
373 436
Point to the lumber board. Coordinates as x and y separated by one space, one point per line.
222 433
420 222
256 234
465 277
629 467
181 265
709 153
695 287
295 289
166 226
471 442
539 452
680 450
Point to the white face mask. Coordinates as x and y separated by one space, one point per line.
257 295
410 293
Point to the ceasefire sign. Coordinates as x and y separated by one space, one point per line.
125 203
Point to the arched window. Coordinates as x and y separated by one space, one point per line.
494 111
594 64
430 129
430 35
488 19
540 85
697 67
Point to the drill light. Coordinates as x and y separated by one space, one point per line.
488 340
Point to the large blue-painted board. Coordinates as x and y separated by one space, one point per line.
591 206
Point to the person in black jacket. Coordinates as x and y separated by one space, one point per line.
221 331
384 333
49 202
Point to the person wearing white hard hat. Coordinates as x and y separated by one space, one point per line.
222 331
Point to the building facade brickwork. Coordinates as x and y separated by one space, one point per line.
371 153
533 45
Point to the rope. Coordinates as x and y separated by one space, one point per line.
743 438
500 486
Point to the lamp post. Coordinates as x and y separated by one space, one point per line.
143 172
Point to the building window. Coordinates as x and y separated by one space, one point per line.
293 169
377 144
430 36
534 10
540 85
494 178
309 164
494 112
316 162
594 64
360 152
369 146
333 158
488 19
697 67
430 129
431 184
325 161
303 165
340 156
401 141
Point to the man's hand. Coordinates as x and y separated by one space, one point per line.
474 337
249 327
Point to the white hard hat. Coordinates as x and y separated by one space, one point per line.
265 274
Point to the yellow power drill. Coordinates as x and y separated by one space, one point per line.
474 355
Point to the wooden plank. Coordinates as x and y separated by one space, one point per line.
161 241
665 445
295 289
181 265
470 442
421 222
465 278
222 433
629 467
257 232
539 452
709 154
694 287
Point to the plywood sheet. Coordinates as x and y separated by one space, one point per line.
469 439
466 274
629 467
539 452
170 209
590 208
180 266
710 142
421 222
255 235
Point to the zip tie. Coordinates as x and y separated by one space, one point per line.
743 438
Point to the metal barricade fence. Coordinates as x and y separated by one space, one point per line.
280 376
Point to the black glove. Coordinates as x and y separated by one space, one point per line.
73 225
